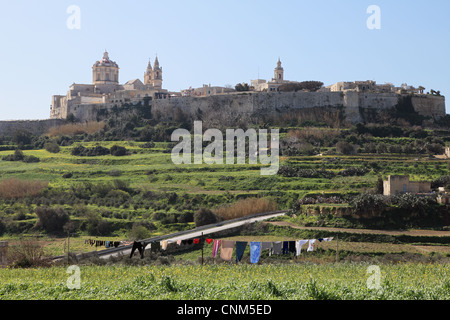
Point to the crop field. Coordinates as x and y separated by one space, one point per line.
227 281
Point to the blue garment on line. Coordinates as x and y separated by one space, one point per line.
255 251
240 247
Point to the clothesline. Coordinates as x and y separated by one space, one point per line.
106 243
226 247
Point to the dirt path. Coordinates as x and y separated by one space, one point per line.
367 231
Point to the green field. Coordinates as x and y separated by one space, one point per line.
225 281
110 197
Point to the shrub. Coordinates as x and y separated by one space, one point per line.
186 217
81 151
353 171
118 151
67 175
52 220
95 225
31 159
22 137
344 147
138 232
27 254
17 156
411 203
288 171
158 215
367 202
204 216
14 188
51 147
115 173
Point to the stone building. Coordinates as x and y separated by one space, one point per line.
370 86
153 76
88 102
206 90
401 184
105 88
274 84
105 72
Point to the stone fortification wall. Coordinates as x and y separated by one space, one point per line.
89 112
251 107
7 128
244 107
429 106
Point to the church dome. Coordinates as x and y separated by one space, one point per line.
106 62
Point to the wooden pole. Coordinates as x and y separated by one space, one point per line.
68 246
203 244
337 248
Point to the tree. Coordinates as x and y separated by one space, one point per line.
204 216
242 87
118 151
421 89
22 137
379 188
311 86
368 203
138 232
344 147
52 220
52 147
18 155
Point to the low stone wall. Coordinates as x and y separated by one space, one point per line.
3 254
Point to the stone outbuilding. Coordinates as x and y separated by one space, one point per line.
397 184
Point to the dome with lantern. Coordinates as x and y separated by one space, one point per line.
106 62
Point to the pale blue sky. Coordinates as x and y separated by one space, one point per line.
218 42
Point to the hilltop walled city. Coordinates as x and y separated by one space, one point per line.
84 101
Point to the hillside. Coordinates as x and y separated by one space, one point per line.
116 180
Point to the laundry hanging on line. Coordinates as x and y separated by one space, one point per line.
105 243
256 248
225 248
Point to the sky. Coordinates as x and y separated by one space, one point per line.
219 43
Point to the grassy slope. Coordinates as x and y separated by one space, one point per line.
206 179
